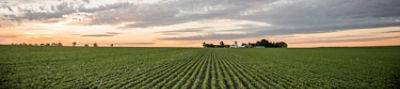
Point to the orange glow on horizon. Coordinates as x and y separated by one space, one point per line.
104 35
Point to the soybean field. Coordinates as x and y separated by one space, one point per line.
24 67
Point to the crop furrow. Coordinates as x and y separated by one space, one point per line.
200 76
196 73
193 70
138 79
170 80
161 75
225 77
273 81
245 81
235 79
216 79
205 76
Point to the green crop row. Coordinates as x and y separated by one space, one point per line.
195 68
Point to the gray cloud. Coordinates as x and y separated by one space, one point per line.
271 31
177 32
87 1
391 32
9 8
301 13
349 40
286 16
166 13
315 16
64 8
107 34
210 36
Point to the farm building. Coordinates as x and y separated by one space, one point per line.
234 45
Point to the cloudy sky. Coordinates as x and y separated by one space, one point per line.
188 23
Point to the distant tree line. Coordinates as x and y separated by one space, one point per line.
266 43
262 43
53 44
35 44
206 45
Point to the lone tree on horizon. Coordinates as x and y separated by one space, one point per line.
53 44
222 44
74 44
204 44
59 44
94 44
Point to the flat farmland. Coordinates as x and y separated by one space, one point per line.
24 67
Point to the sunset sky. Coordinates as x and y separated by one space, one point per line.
188 23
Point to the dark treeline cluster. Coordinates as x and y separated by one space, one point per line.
206 45
266 43
263 43
36 44
53 44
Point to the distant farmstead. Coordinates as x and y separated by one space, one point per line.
235 45
263 43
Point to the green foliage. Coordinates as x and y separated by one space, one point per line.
221 43
194 68
266 43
